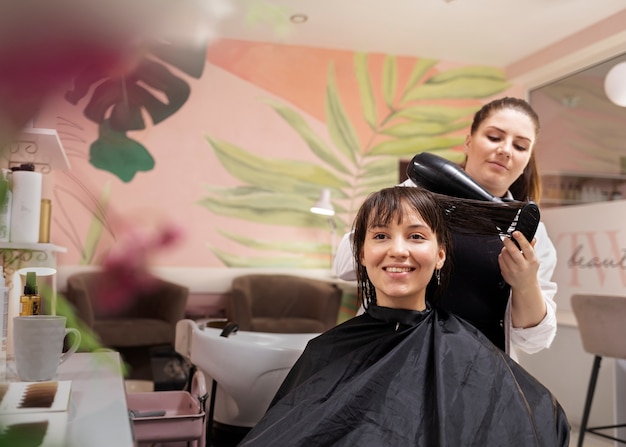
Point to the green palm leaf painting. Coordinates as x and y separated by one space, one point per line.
429 112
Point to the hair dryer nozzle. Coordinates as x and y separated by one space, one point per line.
442 176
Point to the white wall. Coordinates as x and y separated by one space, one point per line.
590 241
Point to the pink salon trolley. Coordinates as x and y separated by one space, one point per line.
170 416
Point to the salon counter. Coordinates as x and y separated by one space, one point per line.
98 416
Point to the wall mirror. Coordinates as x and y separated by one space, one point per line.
581 150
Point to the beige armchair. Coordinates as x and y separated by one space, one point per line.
283 303
148 321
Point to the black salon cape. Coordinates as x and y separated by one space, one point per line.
403 378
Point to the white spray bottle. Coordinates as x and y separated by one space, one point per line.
4 322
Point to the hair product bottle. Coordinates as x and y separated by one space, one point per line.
44 221
26 203
30 301
4 322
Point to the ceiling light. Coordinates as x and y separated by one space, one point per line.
299 18
615 84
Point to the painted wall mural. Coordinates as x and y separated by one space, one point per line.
264 129
398 116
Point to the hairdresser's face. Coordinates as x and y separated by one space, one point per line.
500 149
400 260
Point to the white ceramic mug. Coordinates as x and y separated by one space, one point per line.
38 346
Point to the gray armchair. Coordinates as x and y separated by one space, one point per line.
149 320
283 303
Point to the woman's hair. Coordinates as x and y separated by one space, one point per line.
443 214
528 185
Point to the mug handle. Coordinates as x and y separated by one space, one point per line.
77 338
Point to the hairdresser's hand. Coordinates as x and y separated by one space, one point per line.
519 269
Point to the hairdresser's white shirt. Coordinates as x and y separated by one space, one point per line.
529 340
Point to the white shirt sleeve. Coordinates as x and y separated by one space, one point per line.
536 338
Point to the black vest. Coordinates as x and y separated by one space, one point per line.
476 291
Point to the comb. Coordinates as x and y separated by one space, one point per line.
526 222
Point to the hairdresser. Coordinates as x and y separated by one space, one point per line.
504 292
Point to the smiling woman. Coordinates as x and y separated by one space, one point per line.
428 376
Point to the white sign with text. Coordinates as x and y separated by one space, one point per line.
590 241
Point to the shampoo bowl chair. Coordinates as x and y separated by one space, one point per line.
248 367
283 303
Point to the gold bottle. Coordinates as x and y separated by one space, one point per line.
30 301
44 221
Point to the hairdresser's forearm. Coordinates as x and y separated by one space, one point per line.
528 307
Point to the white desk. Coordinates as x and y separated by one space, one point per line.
98 416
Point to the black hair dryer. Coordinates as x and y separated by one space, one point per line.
442 176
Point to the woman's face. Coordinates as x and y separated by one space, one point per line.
500 149
400 259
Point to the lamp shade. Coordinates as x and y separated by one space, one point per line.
323 205
615 84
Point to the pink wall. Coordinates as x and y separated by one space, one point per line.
227 102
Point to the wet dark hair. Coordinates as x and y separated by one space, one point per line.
443 214
528 185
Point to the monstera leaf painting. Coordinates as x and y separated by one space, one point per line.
423 114
116 104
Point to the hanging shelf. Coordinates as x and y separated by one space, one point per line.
39 146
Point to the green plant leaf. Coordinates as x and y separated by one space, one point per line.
423 128
116 153
340 128
263 200
461 83
121 100
414 145
380 166
315 143
375 183
89 339
298 262
246 190
297 247
368 103
434 113
267 208
4 188
419 71
478 72
270 173
94 232
390 80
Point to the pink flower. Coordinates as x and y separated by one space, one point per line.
126 266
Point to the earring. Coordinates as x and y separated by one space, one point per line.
438 276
